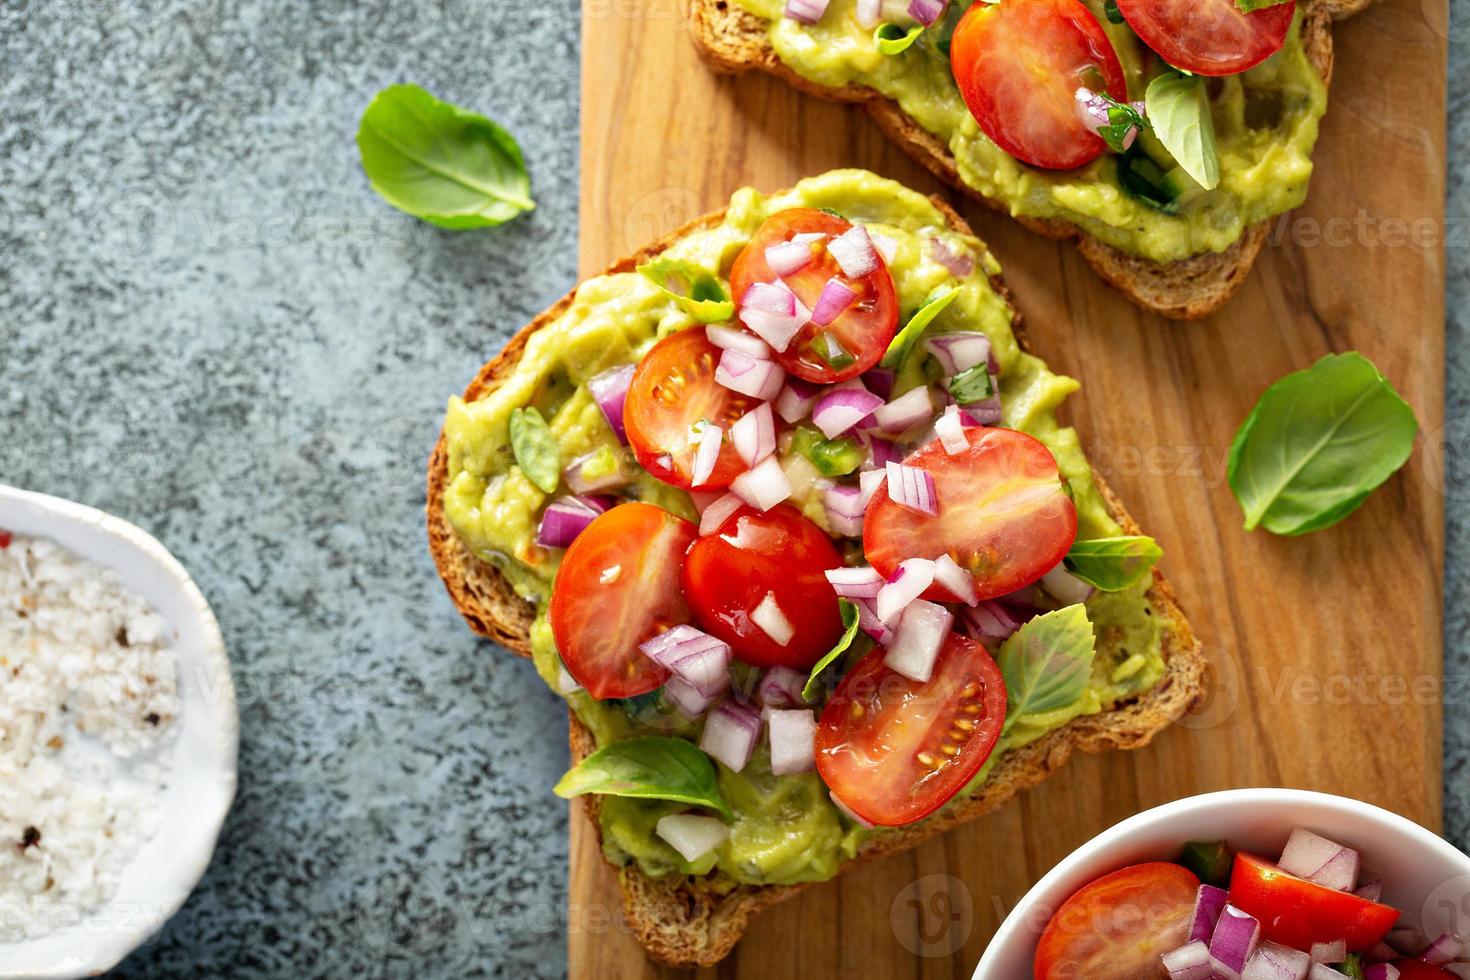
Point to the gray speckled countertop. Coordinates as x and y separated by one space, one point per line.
209 326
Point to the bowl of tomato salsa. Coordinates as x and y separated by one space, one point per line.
1111 909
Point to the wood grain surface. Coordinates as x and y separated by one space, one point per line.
1327 647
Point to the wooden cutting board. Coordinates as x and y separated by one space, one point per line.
1327 647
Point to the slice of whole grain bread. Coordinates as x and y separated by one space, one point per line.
696 921
732 40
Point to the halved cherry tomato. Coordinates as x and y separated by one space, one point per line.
1019 64
861 334
618 586
894 750
1003 513
1419 970
1209 37
779 553
1298 913
672 391
1117 927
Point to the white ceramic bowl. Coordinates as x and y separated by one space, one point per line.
1422 874
202 784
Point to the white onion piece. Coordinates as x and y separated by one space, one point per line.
784 258
749 376
580 483
854 252
772 621
565 682
730 734
840 409
836 297
958 352
870 623
1446 949
793 736
796 399
773 312
685 698
917 641
911 487
856 583
951 431
781 687
691 835
1063 585
754 435
887 247
909 581
1272 961
1371 890
1334 952
868 483
905 411
729 338
1189 962
1235 938
993 620
844 506
806 11
1321 971
1328 863
717 513
706 669
955 580
764 485
707 454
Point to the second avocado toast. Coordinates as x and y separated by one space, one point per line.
693 915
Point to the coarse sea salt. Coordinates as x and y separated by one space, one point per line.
88 710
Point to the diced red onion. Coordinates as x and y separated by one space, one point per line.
1208 903
717 513
1381 971
806 11
692 835
987 412
854 252
856 583
772 621
1320 860
881 452
769 297
879 381
1272 961
1092 110
958 352
707 454
1235 938
951 431
1381 953
926 12
917 641
730 733
773 312
579 483
685 698
912 487
781 687
993 620
754 435
784 258
1333 952
1446 949
793 736
906 411
887 247
764 485
870 623
1189 962
836 297
1371 890
868 483
842 408
729 338
958 264
610 389
564 519
844 509
749 376
796 399
700 659
1062 584
910 579
955 580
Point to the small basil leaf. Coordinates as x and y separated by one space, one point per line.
1115 16
1142 178
1113 564
972 385
1047 662
898 350
831 457
694 288
1250 6
1123 118
850 627
536 450
892 39
449 166
1180 111
650 767
1317 443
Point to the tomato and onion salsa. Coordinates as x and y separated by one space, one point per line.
807 523
1311 913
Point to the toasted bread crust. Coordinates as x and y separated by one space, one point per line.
696 921
729 39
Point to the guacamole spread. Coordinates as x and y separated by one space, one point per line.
1265 125
786 828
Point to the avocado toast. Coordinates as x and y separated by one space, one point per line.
690 917
1180 266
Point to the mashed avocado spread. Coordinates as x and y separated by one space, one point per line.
1265 124
786 828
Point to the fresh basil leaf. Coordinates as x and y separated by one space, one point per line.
850 627
694 288
1113 564
449 166
1047 662
1352 967
898 350
536 450
1115 16
1142 178
1123 118
1317 443
649 767
1179 109
1250 6
892 39
972 385
831 457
